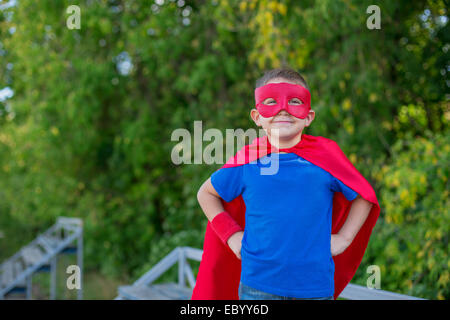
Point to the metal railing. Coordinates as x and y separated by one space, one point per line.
180 254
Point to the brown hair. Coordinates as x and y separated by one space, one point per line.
284 72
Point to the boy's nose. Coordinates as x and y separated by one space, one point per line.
283 112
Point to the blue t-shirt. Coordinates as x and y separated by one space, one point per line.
286 248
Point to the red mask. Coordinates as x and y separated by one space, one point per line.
282 93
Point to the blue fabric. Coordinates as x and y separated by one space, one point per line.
249 293
286 245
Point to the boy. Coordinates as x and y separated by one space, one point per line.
287 248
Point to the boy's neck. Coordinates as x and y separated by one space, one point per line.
282 144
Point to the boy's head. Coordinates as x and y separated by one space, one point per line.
288 125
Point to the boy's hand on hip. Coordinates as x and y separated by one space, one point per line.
235 243
338 244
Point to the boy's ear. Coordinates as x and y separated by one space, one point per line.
255 116
310 118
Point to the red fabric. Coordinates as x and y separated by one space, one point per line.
224 226
219 272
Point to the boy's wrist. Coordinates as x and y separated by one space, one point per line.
230 238
225 226
345 237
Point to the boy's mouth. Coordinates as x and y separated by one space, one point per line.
282 121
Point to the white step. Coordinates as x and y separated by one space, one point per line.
165 291
32 255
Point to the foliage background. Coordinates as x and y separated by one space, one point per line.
87 130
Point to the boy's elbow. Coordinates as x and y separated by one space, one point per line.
201 192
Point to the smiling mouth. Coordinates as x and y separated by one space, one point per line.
282 121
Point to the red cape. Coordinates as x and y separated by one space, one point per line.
219 273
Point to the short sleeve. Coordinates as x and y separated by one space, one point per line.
228 182
338 186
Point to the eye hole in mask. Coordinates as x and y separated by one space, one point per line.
271 102
283 95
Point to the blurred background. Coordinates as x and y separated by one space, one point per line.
86 117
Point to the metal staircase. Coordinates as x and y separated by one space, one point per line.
40 255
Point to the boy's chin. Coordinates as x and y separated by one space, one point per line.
284 136
284 133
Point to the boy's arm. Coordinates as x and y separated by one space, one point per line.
209 200
225 226
358 213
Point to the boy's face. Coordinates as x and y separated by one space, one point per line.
289 127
